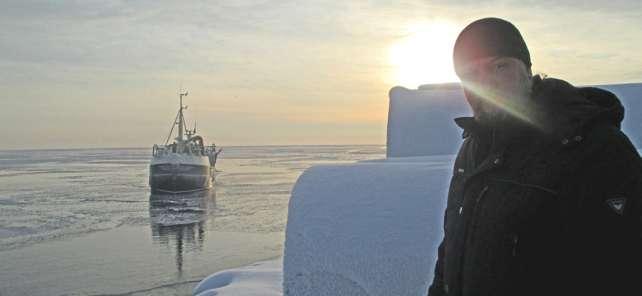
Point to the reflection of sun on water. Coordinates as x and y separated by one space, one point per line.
424 55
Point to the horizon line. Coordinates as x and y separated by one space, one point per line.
231 146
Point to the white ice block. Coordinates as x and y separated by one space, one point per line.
369 228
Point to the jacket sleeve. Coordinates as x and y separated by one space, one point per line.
604 247
437 286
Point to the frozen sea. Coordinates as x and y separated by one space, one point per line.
83 222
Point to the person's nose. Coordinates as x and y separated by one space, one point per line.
486 77
479 84
486 82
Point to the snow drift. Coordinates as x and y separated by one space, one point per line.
258 279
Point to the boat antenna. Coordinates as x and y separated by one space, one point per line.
181 119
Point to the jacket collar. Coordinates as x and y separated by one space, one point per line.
563 112
469 125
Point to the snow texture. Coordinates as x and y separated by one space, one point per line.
420 122
370 228
416 118
258 279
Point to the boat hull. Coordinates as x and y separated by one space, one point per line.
178 177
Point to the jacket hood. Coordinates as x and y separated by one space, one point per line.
564 111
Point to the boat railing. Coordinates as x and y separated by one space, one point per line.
160 150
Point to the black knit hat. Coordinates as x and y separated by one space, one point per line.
489 37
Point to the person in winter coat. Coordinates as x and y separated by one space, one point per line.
546 192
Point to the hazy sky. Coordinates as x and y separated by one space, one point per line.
107 73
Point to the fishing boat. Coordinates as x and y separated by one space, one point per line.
187 164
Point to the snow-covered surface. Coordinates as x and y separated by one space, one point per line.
420 122
417 117
370 228
259 279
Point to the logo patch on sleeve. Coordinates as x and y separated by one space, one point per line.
617 204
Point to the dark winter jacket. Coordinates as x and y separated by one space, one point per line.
554 211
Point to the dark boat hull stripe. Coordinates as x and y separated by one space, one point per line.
174 178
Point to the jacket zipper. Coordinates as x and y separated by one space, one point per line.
515 241
467 232
473 217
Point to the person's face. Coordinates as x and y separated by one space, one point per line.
496 88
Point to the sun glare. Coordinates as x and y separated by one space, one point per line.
424 55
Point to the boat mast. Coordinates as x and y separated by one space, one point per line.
181 120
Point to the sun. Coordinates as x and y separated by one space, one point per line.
424 55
